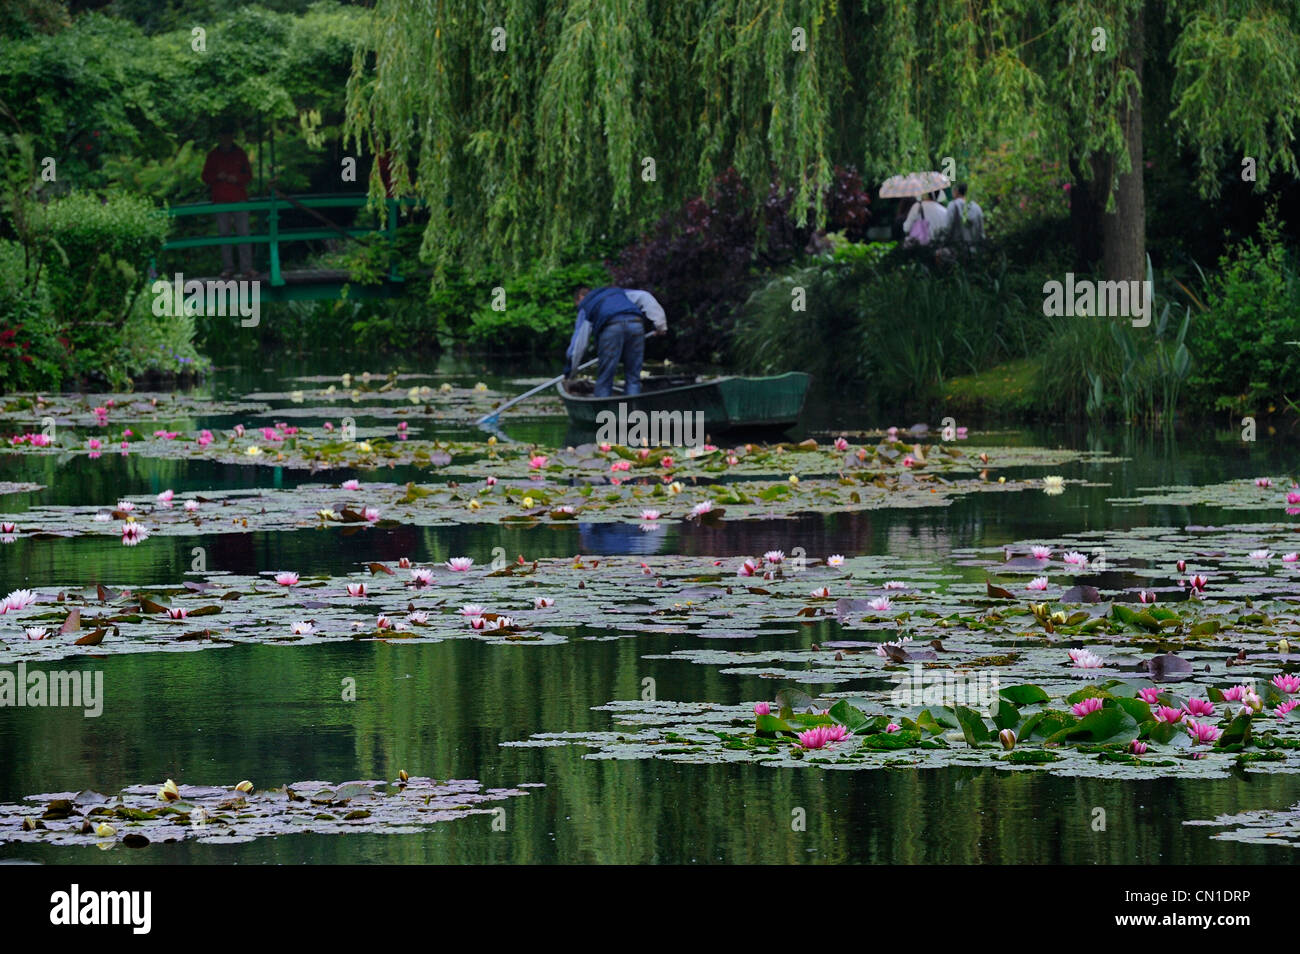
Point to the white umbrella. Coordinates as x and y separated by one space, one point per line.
914 183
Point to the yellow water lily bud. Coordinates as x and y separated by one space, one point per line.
675 487
347 380
253 450
356 394
474 505
1007 738
244 786
105 830
1284 646
364 447
1002 480
794 480
296 397
402 775
169 792
492 441
480 386
1058 618
528 501
445 388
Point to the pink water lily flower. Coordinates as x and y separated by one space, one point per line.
302 629
820 593
1086 706
537 462
351 485
1199 582
650 515
1263 482
762 708
1202 731
287 578
1293 497
701 508
1075 558
619 466
471 610
835 559
894 585
371 514
357 589
543 602
774 556
1168 714
421 576
8 527
747 568
175 612
191 506
490 481
1146 596
893 727
1259 554
1041 553
460 564
1235 693
17 600
815 738
1291 557
133 533
1285 707
36 633
1037 583
205 438
166 497
1198 707
1287 682
1150 695
841 444
880 604
1137 747
836 732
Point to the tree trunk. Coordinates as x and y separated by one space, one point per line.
1085 216
1123 231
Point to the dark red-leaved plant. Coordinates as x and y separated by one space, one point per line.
702 260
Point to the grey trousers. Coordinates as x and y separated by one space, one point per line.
234 223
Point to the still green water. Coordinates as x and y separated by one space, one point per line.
275 714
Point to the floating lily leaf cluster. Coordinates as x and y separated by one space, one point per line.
1106 729
142 815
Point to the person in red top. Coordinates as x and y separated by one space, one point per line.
228 173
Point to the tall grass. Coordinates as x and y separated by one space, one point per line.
892 331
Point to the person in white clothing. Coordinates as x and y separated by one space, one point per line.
933 215
965 219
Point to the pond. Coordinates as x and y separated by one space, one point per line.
501 715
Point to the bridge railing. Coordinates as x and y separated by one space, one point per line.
271 208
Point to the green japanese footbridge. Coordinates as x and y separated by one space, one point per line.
299 284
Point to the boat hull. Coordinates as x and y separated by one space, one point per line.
728 404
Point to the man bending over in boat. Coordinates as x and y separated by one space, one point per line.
617 318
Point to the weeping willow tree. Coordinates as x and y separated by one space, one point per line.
533 126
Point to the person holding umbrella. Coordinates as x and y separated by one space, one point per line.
926 221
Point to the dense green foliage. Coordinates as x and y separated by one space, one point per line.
1247 338
890 327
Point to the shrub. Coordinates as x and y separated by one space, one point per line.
539 311
31 357
94 253
1243 340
